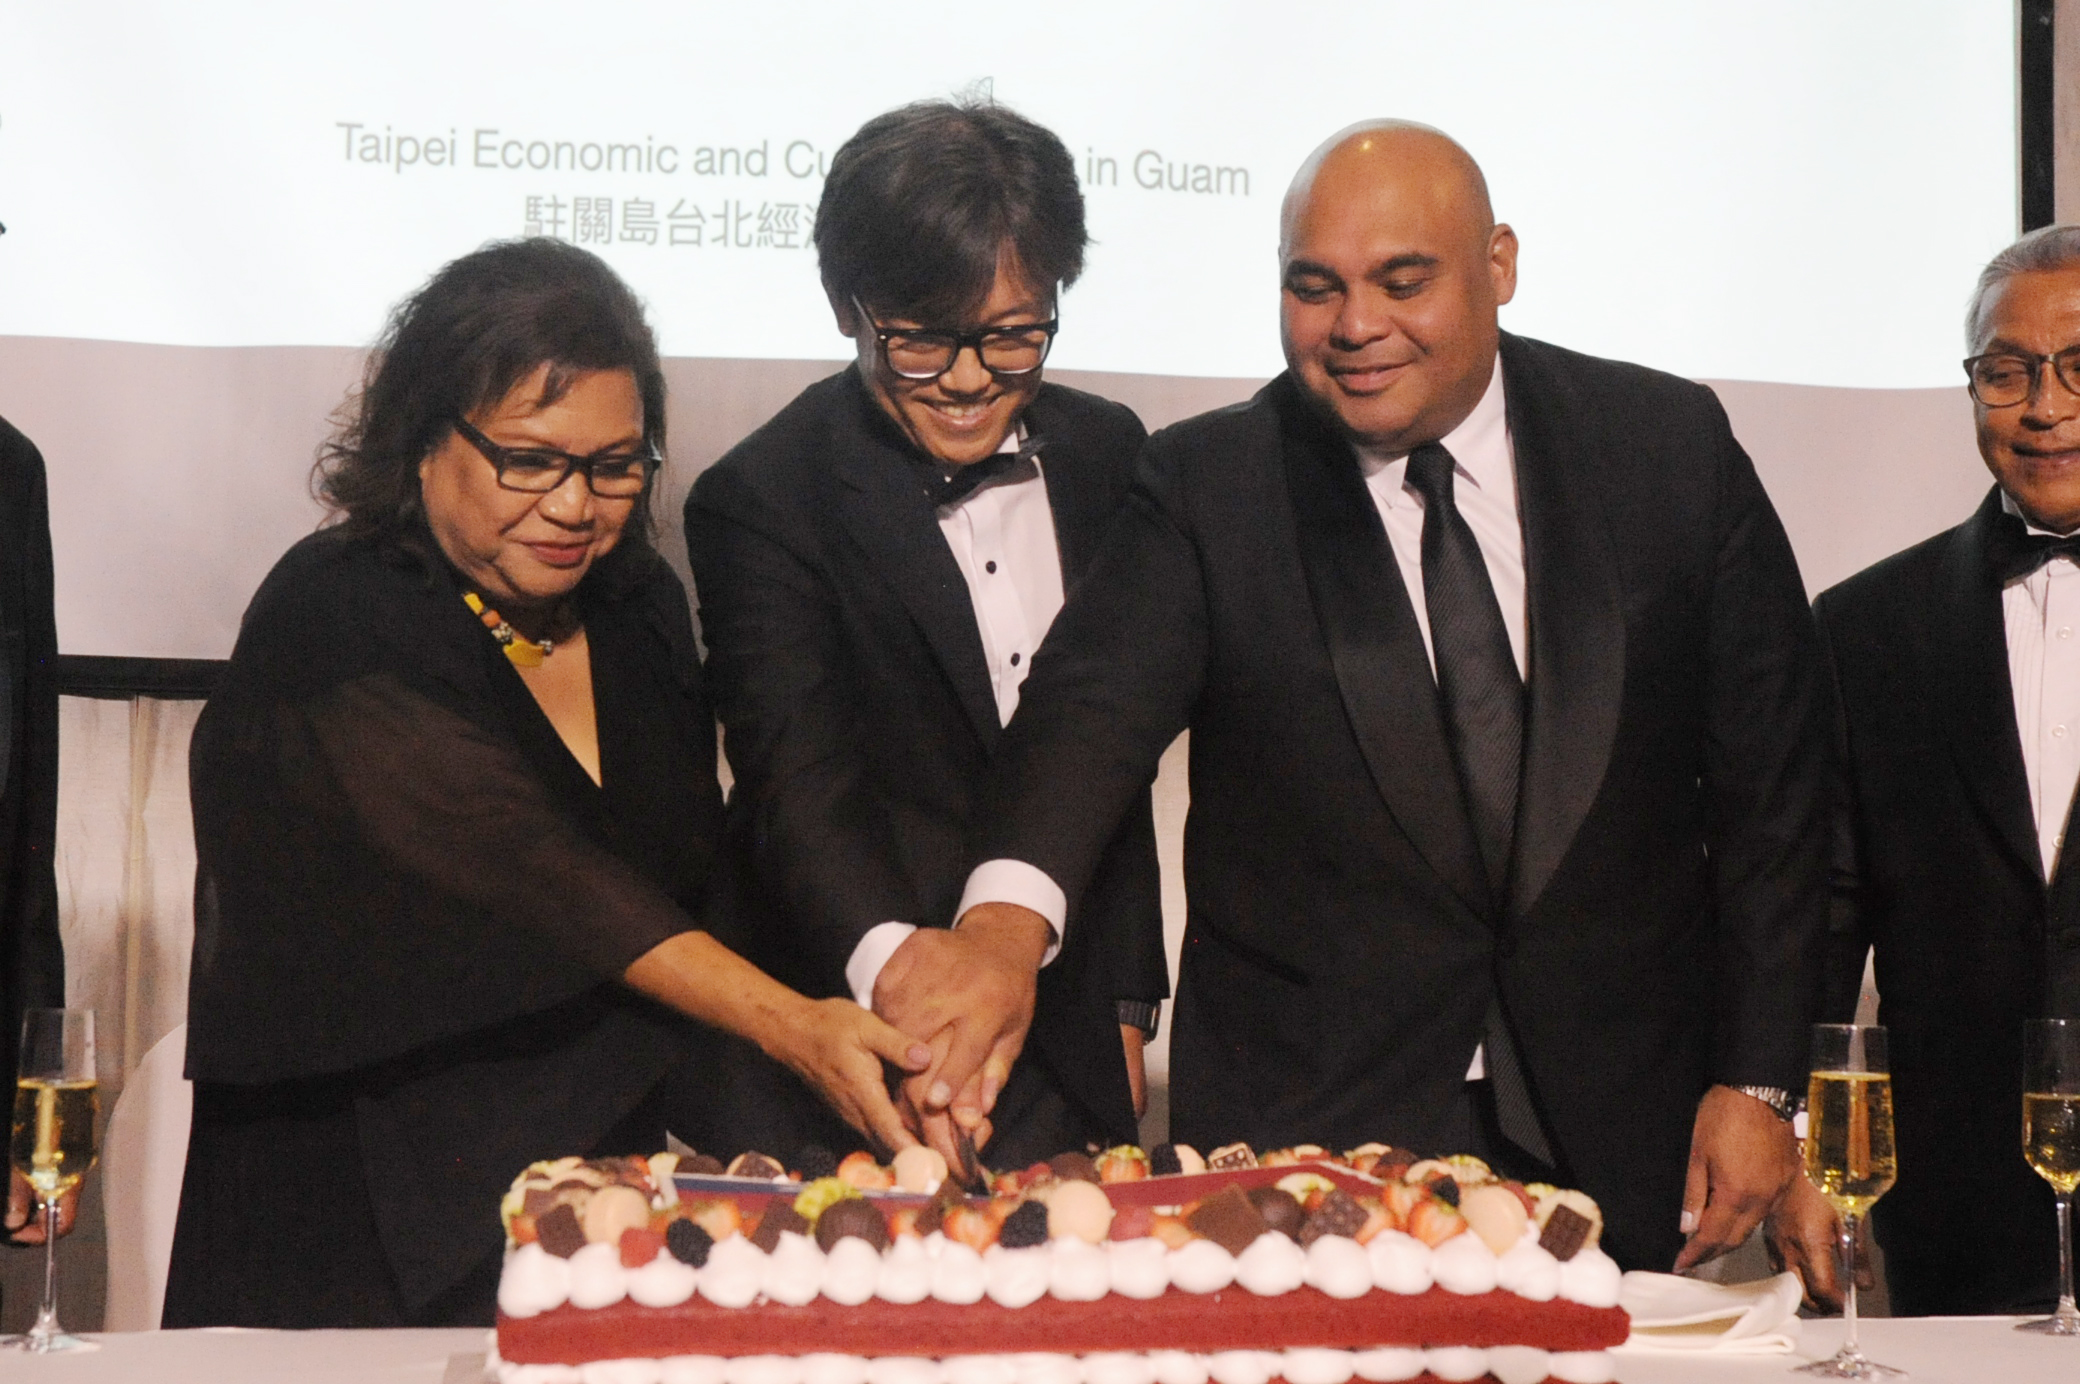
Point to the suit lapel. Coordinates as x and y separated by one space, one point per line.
1966 656
1576 625
1376 649
886 512
1080 507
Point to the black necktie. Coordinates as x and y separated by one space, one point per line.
951 490
1477 678
1483 697
2015 552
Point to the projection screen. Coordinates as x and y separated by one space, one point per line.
211 206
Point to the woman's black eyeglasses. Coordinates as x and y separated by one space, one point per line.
611 475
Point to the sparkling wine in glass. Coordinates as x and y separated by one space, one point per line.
1850 1159
2051 1143
55 1104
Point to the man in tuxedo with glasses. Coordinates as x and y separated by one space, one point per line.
876 568
1508 817
1957 668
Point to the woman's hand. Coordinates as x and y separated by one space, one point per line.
839 1049
25 1213
834 1045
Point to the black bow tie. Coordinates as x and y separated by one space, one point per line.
947 490
2013 551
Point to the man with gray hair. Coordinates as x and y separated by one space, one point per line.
1508 809
1957 667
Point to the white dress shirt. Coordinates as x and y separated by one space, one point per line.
2042 614
1002 537
1484 487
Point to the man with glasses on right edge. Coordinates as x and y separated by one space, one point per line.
1957 664
876 567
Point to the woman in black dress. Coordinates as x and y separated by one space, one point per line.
455 803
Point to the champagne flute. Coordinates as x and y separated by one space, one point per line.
55 1102
2051 1143
1849 1158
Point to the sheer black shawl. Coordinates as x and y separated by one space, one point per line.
406 886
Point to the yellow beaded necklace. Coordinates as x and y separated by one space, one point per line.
524 652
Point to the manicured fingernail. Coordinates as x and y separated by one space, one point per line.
1688 1222
920 1055
940 1094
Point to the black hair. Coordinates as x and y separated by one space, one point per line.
479 327
919 204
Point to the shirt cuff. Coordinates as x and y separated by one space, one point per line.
1477 1070
1014 881
1145 1015
871 955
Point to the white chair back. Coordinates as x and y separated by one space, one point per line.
143 1156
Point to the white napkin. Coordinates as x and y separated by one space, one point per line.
1678 1315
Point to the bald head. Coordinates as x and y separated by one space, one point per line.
1393 269
1411 159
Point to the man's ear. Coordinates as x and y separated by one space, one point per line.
1502 262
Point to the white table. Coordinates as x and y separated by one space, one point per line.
1935 1350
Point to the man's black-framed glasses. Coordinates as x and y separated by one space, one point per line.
926 353
2003 379
611 475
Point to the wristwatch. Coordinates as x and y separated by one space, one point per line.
1780 1101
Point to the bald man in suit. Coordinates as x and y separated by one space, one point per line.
1508 809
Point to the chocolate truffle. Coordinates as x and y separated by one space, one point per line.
855 1216
755 1165
1280 1210
1073 1167
701 1165
1337 1213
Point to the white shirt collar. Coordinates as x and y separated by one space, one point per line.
1479 445
2008 504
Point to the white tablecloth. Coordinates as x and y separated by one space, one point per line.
1935 1350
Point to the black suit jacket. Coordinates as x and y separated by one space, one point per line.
849 675
1661 929
1940 870
32 963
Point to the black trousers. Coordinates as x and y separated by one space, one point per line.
277 1225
